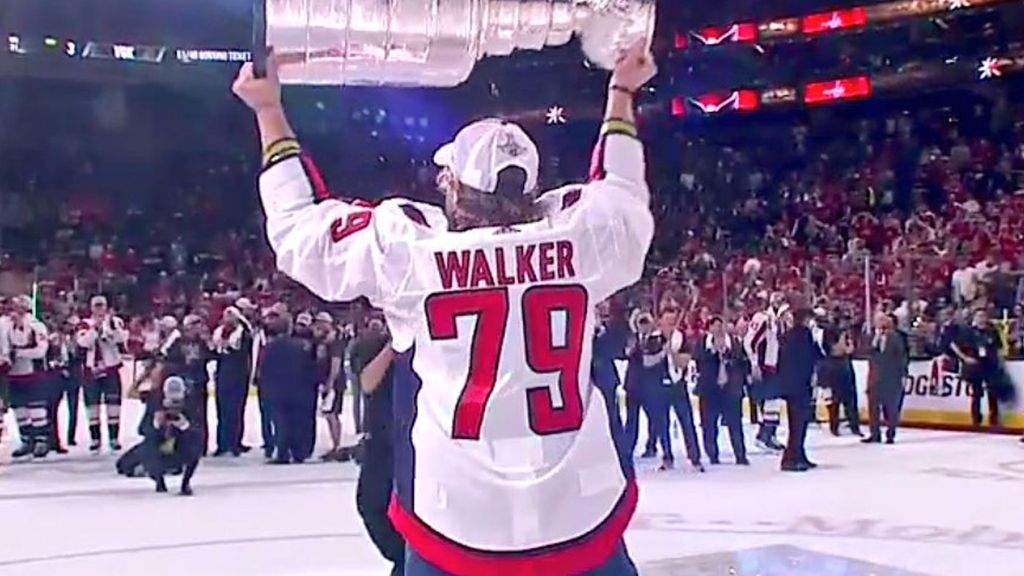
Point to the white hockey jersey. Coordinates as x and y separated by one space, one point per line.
28 342
505 459
761 342
5 345
102 340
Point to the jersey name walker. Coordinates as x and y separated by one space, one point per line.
505 457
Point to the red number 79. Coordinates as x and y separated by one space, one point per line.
542 354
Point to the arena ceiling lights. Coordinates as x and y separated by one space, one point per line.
821 23
921 75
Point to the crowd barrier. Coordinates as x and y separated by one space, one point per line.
935 398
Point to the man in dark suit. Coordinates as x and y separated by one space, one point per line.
644 352
798 358
376 471
287 374
673 394
722 370
835 373
233 346
610 338
887 367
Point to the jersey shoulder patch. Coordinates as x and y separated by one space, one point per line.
415 214
418 213
561 199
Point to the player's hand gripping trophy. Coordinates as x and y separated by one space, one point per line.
633 69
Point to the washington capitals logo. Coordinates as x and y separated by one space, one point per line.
507 145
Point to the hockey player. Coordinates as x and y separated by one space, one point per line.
102 338
5 364
761 344
30 380
505 460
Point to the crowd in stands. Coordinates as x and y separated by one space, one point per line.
914 209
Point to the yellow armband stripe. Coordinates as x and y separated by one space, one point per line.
280 150
619 127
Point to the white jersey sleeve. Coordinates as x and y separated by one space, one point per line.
338 249
40 343
86 335
614 209
755 332
5 341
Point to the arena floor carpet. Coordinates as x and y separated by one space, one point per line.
934 504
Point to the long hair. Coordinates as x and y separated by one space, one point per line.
510 203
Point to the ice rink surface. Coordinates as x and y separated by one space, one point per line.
935 504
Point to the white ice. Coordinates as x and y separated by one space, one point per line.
936 503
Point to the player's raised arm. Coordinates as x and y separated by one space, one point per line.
326 244
617 196
619 156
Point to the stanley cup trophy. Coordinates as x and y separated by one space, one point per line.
433 42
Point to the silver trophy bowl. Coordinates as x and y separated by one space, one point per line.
437 42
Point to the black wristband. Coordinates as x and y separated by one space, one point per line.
624 90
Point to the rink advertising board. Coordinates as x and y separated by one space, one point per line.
935 398
940 398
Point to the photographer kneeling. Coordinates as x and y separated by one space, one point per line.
170 439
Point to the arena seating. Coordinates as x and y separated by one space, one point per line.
795 203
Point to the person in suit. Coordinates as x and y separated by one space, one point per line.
232 343
835 373
287 374
610 337
376 471
798 359
887 366
641 387
978 349
722 370
674 394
